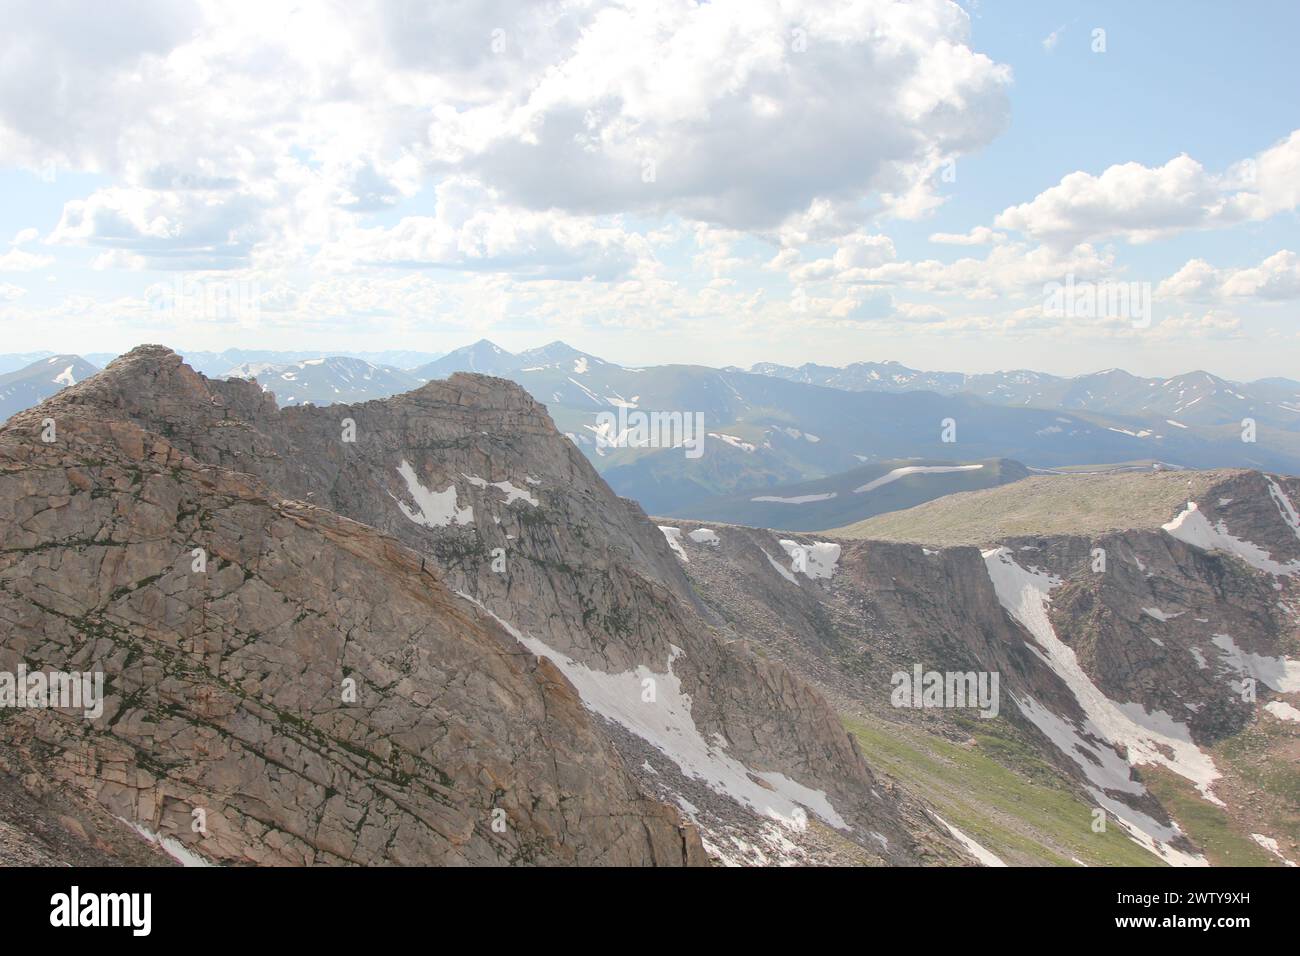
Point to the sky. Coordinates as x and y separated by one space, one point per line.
971 187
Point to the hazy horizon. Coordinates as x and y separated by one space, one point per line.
344 351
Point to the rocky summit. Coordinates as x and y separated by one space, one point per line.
417 630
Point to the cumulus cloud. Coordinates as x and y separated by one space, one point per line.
17 260
1275 278
472 231
737 113
1130 200
171 229
243 133
855 255
1009 269
1197 279
1141 203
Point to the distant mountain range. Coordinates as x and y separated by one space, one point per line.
776 431
325 381
219 363
35 382
1196 398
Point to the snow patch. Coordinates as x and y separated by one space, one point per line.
1284 506
590 394
433 509
780 568
1147 737
667 725
819 560
704 536
1279 673
1270 844
512 493
1192 527
912 470
733 441
174 848
1160 615
1282 710
674 538
974 849
797 500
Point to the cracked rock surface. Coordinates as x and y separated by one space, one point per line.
319 689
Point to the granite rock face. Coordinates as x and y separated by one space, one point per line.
417 630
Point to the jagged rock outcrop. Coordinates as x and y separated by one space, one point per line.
450 556
226 686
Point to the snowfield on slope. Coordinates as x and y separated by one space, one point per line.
666 724
1192 527
1148 737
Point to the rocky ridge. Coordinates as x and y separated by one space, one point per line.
450 560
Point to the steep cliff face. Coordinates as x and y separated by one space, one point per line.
227 688
1139 659
515 636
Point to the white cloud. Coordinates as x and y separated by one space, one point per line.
472 231
1010 268
173 229
1197 279
115 259
979 236
713 112
16 260
1275 278
1209 325
1129 200
249 133
1141 203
